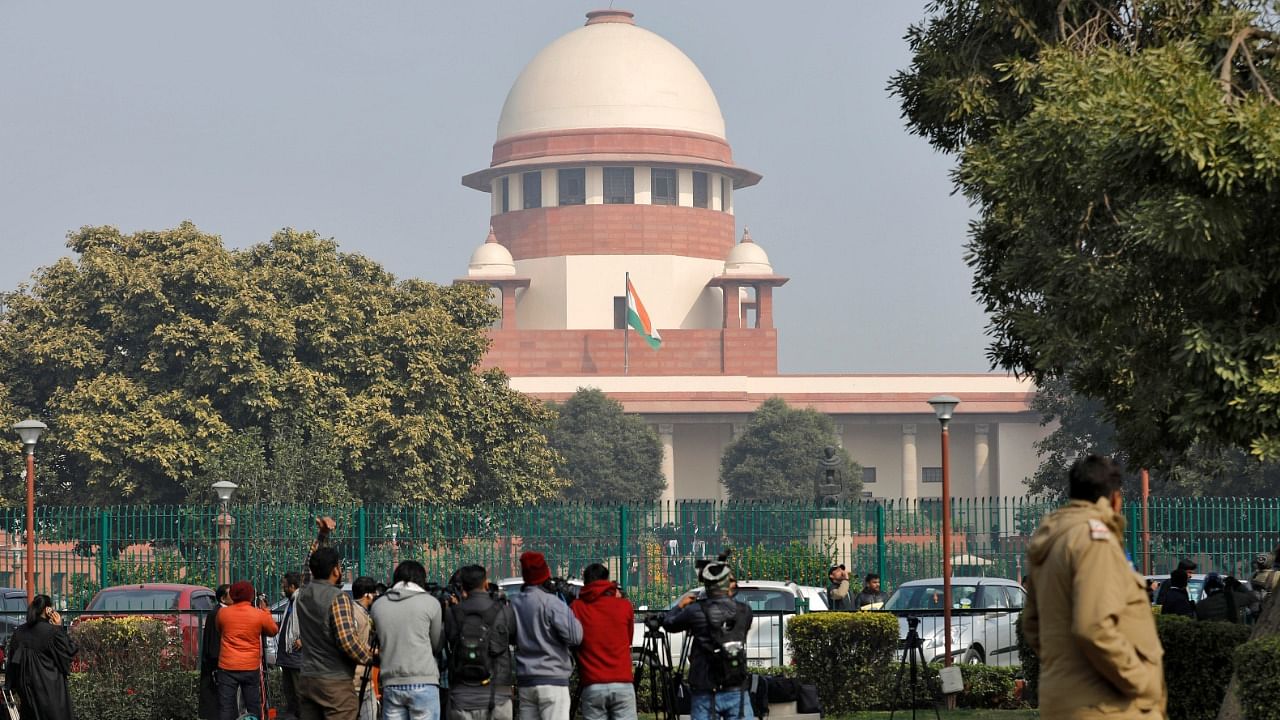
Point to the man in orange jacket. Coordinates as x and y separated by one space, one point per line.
240 657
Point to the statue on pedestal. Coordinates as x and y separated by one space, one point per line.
829 490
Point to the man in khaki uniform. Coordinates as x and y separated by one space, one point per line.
1088 616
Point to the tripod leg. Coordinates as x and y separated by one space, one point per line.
897 684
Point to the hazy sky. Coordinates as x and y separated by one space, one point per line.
357 119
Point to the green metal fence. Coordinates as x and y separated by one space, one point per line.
651 548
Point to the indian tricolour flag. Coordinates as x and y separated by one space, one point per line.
638 318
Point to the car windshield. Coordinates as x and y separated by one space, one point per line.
135 600
929 597
14 604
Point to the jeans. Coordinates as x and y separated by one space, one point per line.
544 702
501 711
411 702
245 683
609 701
728 703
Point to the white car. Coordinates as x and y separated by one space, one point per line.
772 603
984 613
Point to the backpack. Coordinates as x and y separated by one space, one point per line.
470 657
727 664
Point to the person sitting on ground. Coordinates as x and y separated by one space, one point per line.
1176 599
243 625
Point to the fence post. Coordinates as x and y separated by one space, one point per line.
623 532
362 532
880 540
104 537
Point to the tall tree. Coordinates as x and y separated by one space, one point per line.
1079 428
779 456
1123 158
606 455
159 358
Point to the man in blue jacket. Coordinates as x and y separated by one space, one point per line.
545 631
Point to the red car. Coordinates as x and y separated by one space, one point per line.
182 607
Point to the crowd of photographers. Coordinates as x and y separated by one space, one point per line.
467 651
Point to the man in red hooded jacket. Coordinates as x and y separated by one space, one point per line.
604 657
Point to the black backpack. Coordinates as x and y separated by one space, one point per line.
727 662
470 657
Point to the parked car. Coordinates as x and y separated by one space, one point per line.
182 607
774 604
982 624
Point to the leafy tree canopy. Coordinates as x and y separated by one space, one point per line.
607 455
1124 159
1079 428
778 457
163 361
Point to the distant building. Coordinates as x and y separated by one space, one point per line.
611 159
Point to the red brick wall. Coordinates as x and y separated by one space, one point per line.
600 352
612 140
615 230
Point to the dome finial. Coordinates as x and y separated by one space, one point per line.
596 17
491 238
746 235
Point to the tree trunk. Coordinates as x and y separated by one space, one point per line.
1268 624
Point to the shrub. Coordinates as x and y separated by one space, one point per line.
845 655
986 687
1257 665
796 561
1192 650
130 669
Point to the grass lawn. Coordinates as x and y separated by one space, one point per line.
946 715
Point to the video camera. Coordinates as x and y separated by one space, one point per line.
561 588
444 594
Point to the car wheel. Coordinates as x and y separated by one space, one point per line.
973 657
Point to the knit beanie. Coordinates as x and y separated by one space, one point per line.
716 576
242 591
533 568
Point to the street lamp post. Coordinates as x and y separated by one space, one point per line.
29 431
943 407
224 489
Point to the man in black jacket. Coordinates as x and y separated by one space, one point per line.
472 701
1176 599
719 626
210 644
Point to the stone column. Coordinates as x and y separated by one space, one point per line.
732 306
981 461
910 470
508 306
666 433
764 306
839 435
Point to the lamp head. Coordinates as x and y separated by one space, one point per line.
224 488
944 406
29 431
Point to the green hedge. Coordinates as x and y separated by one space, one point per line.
1257 665
1196 656
986 687
1192 651
845 655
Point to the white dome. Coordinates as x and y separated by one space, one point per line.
491 259
747 258
610 74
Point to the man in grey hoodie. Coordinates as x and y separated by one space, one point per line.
545 630
409 623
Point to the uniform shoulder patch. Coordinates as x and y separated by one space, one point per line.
1098 530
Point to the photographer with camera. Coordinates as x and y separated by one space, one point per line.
479 630
605 674
718 624
242 626
364 590
545 631
409 623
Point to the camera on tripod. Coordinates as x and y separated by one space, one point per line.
653 622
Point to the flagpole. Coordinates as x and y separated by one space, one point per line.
626 322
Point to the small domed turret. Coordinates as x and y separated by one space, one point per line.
491 259
747 258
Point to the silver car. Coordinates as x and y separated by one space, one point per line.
984 611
